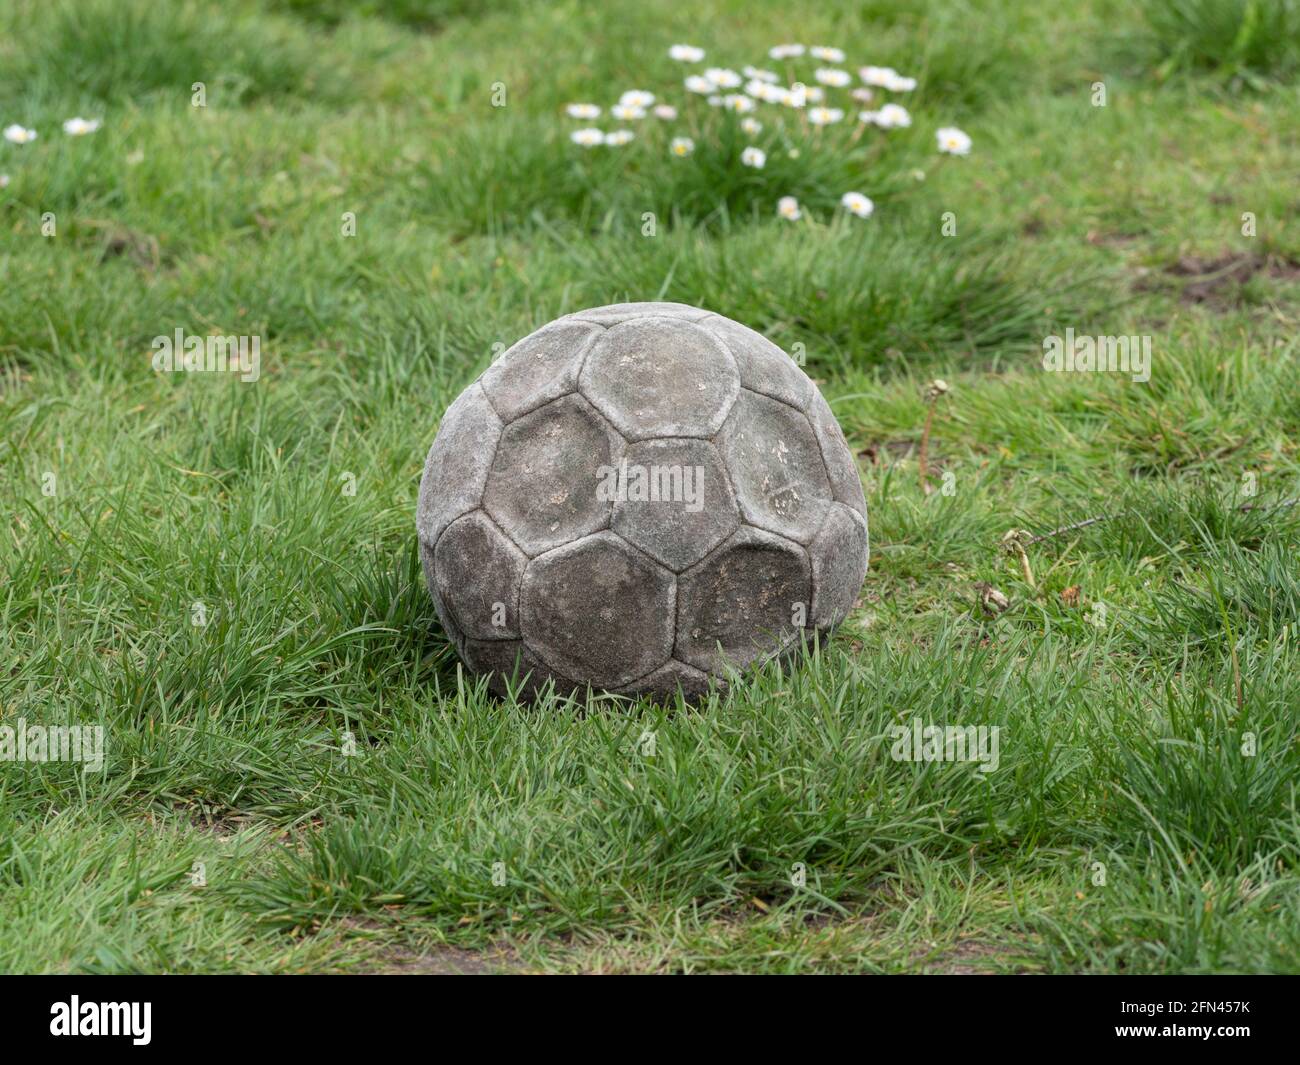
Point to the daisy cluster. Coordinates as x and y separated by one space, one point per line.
828 98
16 133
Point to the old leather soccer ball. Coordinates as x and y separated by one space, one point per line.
639 498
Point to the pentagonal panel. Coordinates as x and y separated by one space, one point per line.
745 601
448 623
846 484
457 467
660 377
614 313
674 500
479 572
839 563
544 487
664 683
776 467
599 610
541 367
763 366
511 662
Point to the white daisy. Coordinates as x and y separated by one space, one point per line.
17 134
682 146
788 207
619 137
637 98
814 94
862 95
723 78
626 112
686 53
856 203
898 83
827 55
836 79
588 138
953 141
755 157
740 103
877 76
824 116
786 51
758 74
751 126
714 100
893 116
4 181
583 111
665 112
698 83
79 127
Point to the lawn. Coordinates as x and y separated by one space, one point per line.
223 575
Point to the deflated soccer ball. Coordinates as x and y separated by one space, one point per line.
639 498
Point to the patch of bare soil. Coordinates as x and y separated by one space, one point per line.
1103 239
967 958
396 959
1216 282
447 961
882 452
117 241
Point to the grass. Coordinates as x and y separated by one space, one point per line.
1244 40
184 564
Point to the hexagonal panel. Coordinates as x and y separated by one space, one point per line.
456 470
662 685
614 313
743 602
846 483
776 467
543 489
764 367
599 610
674 500
448 623
660 377
541 367
479 572
511 660
839 564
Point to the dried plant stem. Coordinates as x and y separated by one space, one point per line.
1069 528
1014 541
922 459
1106 517
1024 565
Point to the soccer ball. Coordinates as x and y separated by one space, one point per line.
639 498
